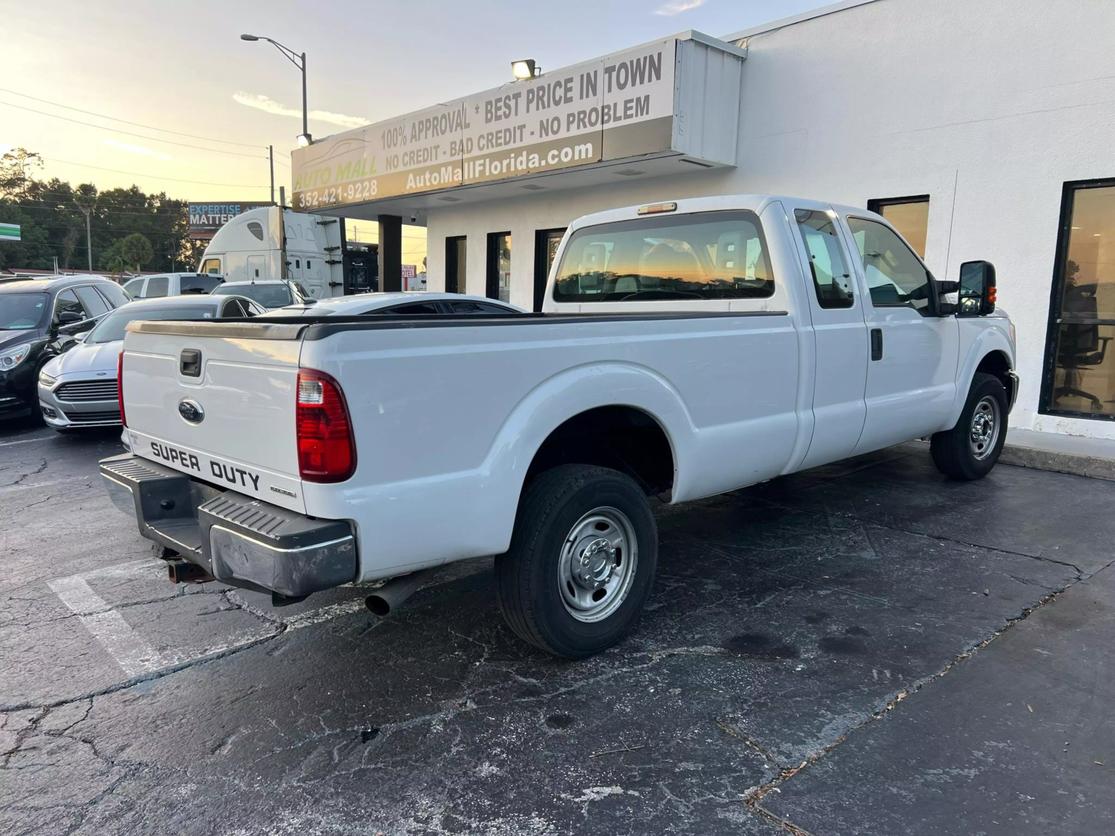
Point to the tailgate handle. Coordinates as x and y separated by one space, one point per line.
190 362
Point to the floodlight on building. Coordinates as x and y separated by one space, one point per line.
525 68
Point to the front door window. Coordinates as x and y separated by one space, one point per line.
1080 361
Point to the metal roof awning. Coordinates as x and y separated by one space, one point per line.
661 108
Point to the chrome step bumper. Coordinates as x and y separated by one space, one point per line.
236 539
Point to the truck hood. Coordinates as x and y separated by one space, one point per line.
87 359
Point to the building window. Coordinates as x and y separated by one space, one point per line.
909 215
1080 362
546 242
456 261
499 266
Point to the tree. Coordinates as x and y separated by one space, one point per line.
136 251
16 171
112 260
53 221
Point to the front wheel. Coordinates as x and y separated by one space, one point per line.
581 563
970 449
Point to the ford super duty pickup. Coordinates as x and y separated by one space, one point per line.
685 349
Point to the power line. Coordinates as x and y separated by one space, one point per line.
102 211
125 121
152 176
132 133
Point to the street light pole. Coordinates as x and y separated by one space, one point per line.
298 60
305 112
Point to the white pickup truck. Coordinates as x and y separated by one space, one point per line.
686 349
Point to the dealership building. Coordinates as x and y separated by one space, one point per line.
982 129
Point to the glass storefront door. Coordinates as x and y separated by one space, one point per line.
1080 361
499 266
545 249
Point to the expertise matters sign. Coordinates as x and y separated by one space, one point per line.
207 218
614 107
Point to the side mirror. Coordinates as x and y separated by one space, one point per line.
68 317
81 337
977 289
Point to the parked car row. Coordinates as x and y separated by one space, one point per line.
60 339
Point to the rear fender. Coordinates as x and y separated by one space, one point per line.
573 391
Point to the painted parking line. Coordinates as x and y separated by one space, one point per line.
132 653
27 440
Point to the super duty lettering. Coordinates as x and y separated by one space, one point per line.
686 348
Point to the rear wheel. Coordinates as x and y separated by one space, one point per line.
581 562
970 449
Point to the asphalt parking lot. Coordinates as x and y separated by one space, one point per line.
864 648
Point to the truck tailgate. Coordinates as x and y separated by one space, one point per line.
216 401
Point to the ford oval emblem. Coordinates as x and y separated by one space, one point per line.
191 411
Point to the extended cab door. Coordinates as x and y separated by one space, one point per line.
836 310
911 376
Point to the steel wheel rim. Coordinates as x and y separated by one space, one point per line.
597 564
983 434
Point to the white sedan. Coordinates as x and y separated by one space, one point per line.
414 303
77 389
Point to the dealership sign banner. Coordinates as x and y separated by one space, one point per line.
207 218
9 232
607 109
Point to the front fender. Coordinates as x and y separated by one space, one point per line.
979 337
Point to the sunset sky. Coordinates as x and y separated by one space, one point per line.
204 105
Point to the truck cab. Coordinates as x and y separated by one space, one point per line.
271 243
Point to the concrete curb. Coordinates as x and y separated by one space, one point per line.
1092 467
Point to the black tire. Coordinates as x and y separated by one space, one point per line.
528 575
953 451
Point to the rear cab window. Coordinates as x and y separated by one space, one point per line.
199 283
696 256
157 286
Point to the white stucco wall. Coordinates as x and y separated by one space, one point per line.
988 106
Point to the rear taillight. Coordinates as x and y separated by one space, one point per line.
326 450
120 386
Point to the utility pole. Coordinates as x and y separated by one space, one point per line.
85 202
87 211
271 159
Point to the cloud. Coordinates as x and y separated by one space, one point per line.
139 150
269 105
676 7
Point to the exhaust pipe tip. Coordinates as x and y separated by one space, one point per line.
392 594
379 606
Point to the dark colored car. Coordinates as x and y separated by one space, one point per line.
38 321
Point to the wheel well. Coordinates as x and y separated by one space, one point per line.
997 364
620 437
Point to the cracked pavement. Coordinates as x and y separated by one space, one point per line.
864 648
